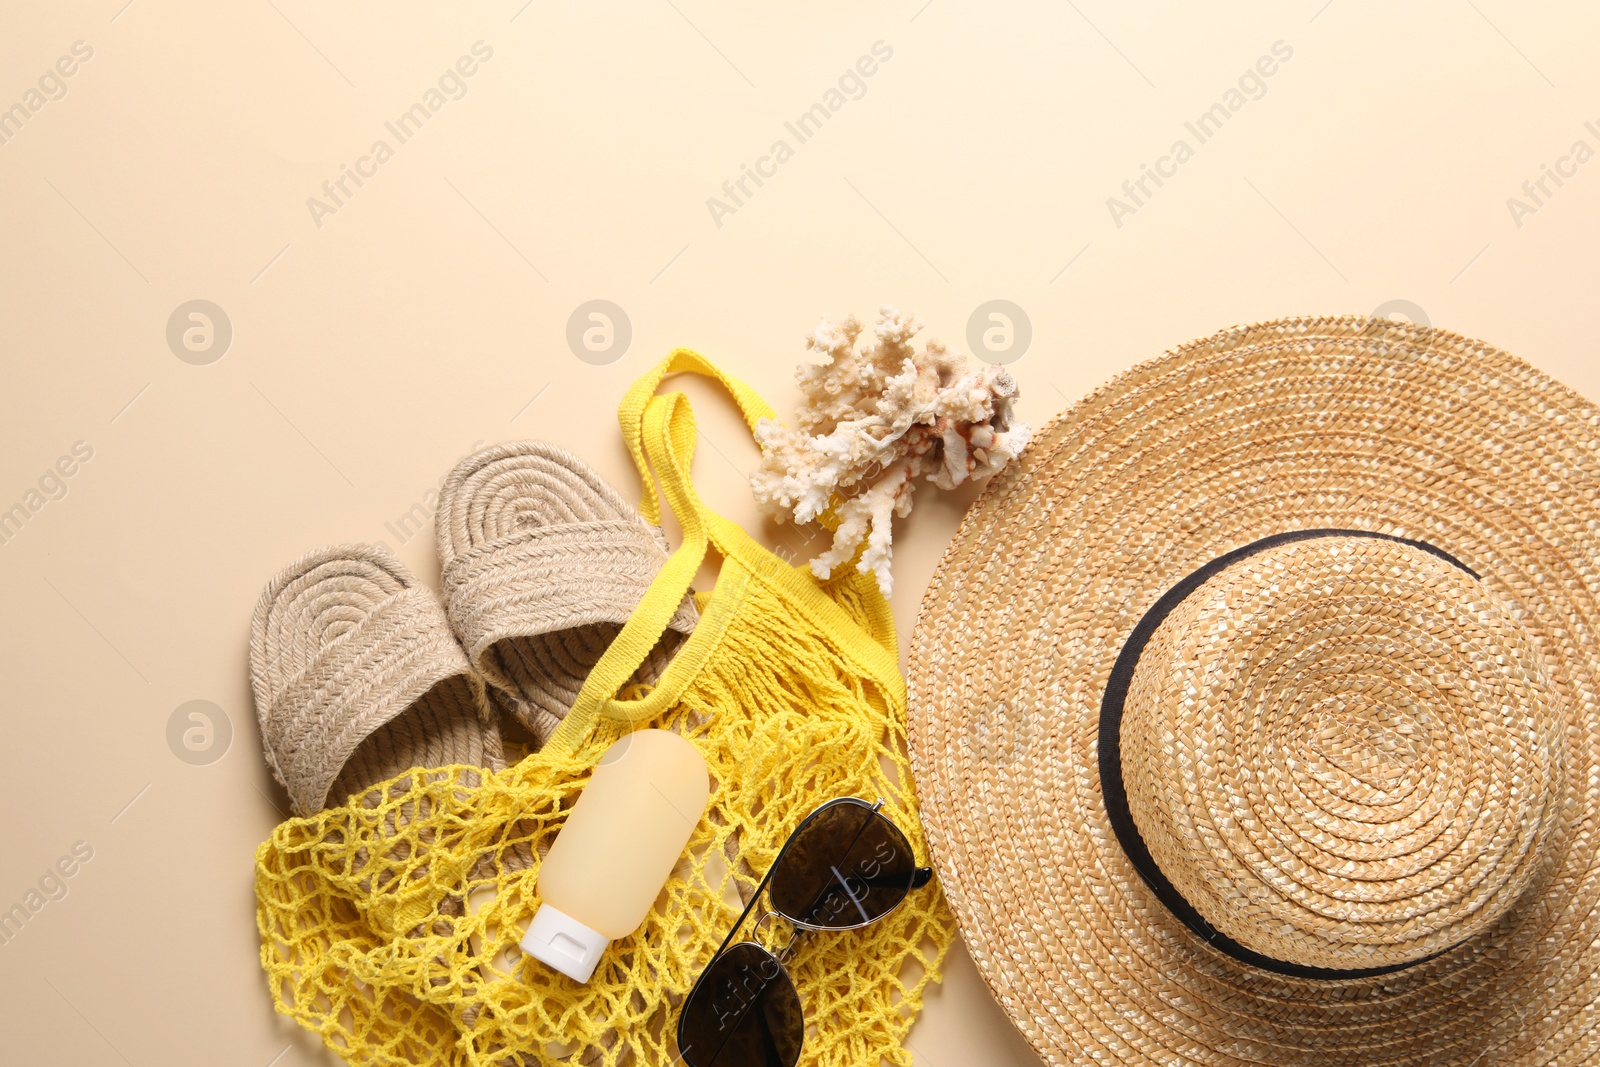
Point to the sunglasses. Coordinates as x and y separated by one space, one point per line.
843 867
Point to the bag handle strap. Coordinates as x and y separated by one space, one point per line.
632 410
751 406
661 435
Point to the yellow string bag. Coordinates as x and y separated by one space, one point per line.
389 925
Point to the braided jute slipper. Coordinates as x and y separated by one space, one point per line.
1254 713
358 678
543 564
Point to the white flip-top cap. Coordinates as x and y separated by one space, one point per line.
557 939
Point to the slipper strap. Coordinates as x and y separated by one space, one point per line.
545 579
355 685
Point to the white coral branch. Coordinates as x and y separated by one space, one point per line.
875 420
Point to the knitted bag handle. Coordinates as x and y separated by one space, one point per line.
660 433
635 404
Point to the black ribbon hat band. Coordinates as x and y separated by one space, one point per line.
1110 748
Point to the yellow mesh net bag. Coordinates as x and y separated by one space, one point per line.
389 925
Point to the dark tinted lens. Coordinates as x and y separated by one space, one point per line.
846 866
743 1012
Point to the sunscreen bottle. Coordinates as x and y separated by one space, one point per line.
617 849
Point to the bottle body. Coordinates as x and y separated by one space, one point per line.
617 848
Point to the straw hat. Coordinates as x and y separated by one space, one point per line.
1254 712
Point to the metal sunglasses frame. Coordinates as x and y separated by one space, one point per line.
920 876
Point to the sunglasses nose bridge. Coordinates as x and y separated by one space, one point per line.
755 931
782 955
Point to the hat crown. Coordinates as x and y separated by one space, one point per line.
1343 752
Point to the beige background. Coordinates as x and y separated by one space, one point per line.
429 312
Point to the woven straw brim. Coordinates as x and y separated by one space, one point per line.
1293 425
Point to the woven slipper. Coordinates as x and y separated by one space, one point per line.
543 564
357 678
